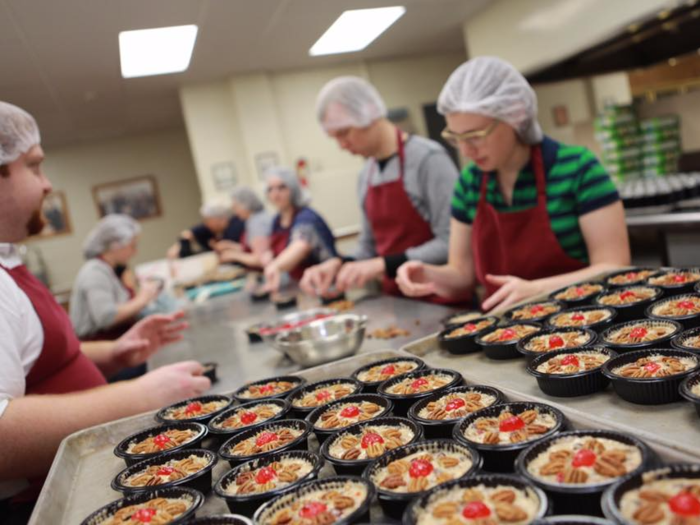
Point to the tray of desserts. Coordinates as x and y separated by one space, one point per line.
375 437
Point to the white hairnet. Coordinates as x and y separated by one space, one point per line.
300 196
112 231
246 197
492 87
18 132
216 208
349 102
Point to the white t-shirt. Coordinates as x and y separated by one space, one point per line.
21 341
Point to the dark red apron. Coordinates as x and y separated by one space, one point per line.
396 224
278 242
61 367
519 243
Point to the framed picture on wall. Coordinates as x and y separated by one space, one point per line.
56 216
138 197
265 161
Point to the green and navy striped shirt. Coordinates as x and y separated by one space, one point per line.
577 184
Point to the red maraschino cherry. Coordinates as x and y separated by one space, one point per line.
248 417
469 327
679 278
265 475
420 468
638 333
578 317
193 408
570 360
388 370
265 438
537 309
165 471
579 291
144 515
584 458
555 342
313 509
476 510
161 440
323 395
626 295
421 381
685 504
455 404
350 411
265 389
507 334
631 276
652 368
511 424
685 305
371 438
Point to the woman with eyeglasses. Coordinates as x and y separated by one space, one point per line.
404 191
529 214
300 237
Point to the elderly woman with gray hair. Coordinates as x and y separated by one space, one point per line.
253 250
529 214
300 237
102 306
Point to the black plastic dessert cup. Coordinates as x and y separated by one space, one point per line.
394 503
571 385
686 390
612 496
221 519
676 288
301 412
300 443
253 333
651 390
687 321
681 341
415 509
630 311
210 371
191 496
537 317
531 354
259 296
501 458
661 342
130 459
403 402
580 498
583 299
569 519
501 350
222 434
200 481
332 298
265 513
357 467
442 428
370 387
463 344
632 278
596 327
323 434
453 319
247 504
299 383
162 414
284 302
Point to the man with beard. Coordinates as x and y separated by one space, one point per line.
51 385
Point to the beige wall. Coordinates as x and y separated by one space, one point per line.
688 107
534 33
237 119
76 169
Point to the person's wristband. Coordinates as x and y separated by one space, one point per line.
393 262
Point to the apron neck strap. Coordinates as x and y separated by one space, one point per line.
540 177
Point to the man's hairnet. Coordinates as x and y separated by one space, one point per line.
18 132
349 102
112 231
216 208
300 196
492 87
246 197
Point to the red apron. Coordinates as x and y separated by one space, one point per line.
61 366
279 241
519 243
395 223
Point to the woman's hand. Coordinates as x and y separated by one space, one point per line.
148 291
512 290
413 279
358 273
318 279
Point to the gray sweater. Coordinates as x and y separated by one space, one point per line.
429 180
97 292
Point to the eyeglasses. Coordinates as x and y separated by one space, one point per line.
471 138
278 187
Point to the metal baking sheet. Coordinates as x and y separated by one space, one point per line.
673 429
